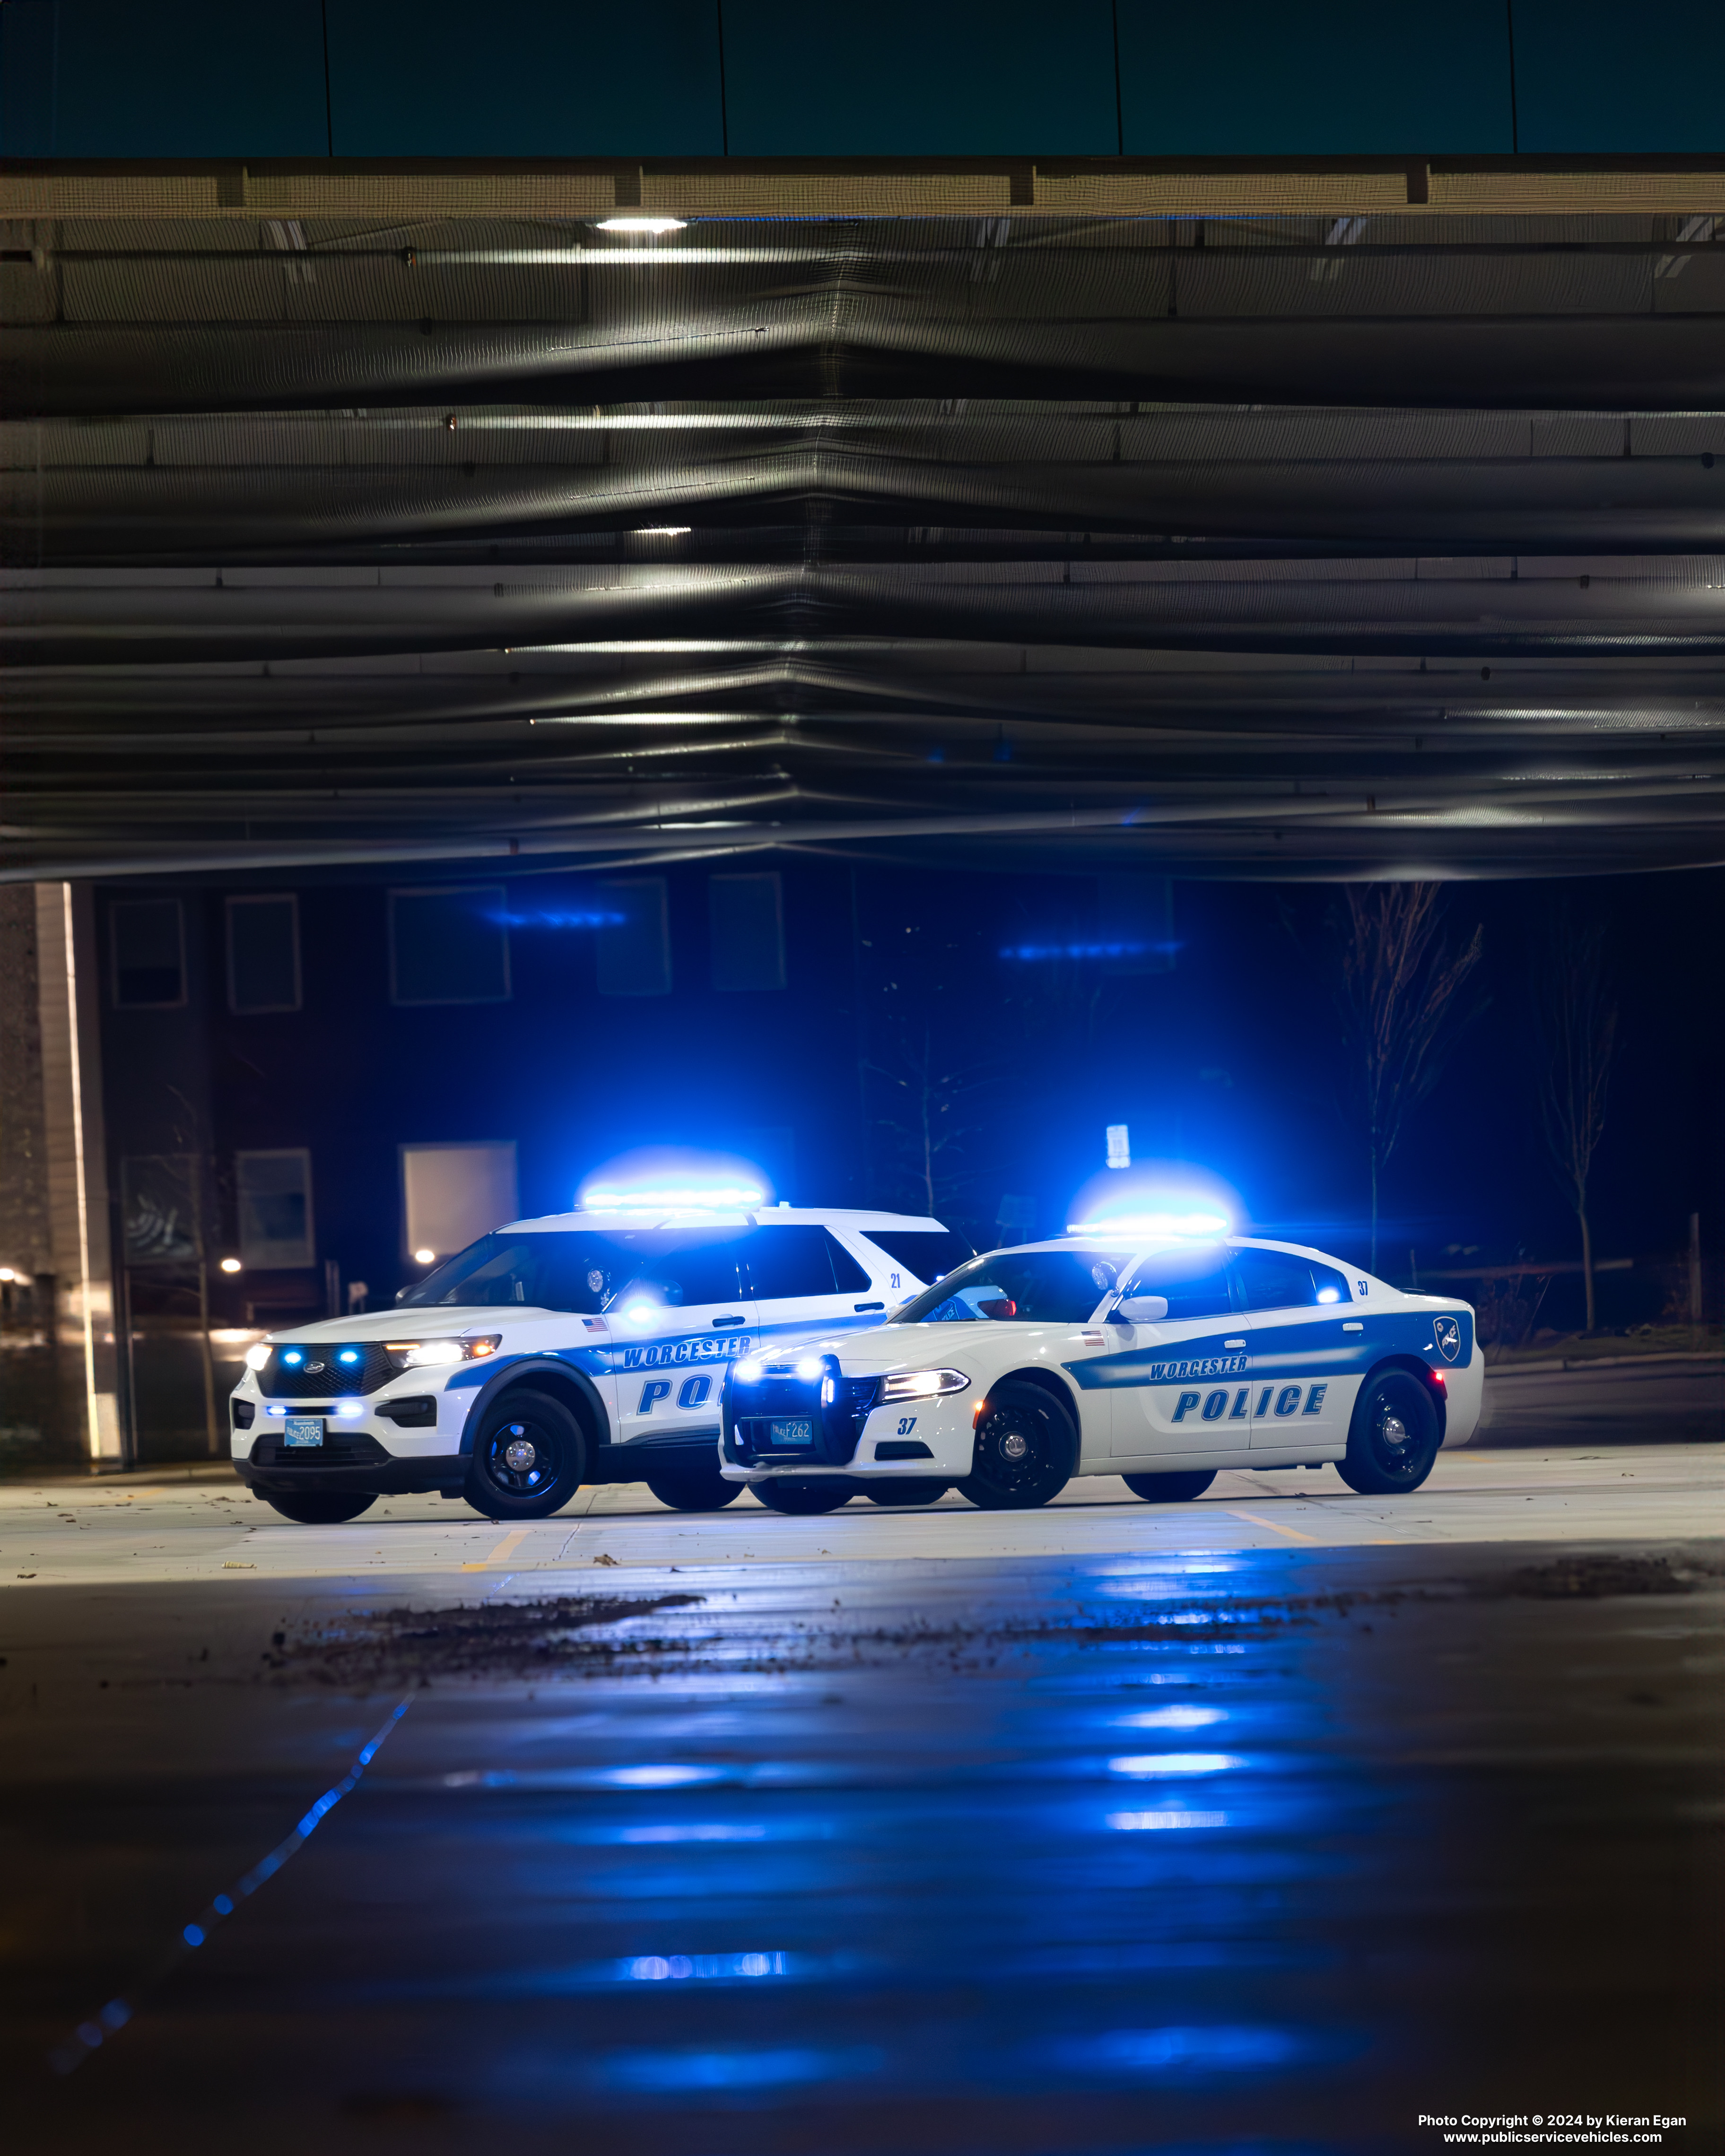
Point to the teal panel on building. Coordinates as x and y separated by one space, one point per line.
525 78
919 78
1590 77
185 79
1345 78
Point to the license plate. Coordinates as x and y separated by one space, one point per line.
302 1430
799 1432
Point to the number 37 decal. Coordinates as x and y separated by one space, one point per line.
907 1424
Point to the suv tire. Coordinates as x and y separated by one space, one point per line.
696 1487
529 1457
823 1493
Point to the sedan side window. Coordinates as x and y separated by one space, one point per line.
1195 1283
1277 1280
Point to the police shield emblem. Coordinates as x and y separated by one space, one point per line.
1446 1332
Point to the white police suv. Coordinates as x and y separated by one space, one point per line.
586 1347
1092 1356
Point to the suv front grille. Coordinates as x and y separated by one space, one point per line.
323 1375
350 1448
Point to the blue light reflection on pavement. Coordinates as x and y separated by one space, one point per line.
913 1878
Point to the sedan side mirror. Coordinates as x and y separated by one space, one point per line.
1140 1310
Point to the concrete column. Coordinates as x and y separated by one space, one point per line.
75 1167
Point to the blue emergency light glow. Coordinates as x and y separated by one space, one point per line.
659 1180
292 1358
693 1197
1151 1224
350 1355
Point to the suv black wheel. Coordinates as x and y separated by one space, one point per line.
1392 1439
529 1458
907 1490
320 1508
695 1486
1025 1447
1170 1489
825 1493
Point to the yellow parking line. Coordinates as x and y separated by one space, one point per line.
1293 1534
505 1550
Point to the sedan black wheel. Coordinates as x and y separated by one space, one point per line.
1170 1489
528 1458
320 1508
907 1490
696 1486
1392 1439
824 1494
1026 1450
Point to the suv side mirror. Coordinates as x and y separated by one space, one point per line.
1140 1310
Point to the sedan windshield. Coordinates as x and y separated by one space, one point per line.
1050 1287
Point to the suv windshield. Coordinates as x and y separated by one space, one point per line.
581 1269
1054 1287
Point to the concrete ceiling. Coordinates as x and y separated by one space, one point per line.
1280 545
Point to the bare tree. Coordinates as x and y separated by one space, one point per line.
1575 1024
1398 984
931 1119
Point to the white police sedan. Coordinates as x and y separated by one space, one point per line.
1089 1356
585 1346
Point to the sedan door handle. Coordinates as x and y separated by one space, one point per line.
737 1320
868 1306
1234 1343
1352 1325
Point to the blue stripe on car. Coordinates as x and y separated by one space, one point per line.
1317 1348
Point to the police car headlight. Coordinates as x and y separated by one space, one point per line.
424 1354
922 1384
256 1358
749 1370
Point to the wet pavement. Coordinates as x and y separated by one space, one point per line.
1216 1840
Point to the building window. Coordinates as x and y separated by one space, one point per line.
634 950
275 1198
449 945
149 944
452 1194
746 914
263 953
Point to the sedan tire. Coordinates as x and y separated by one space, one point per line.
1394 1438
1170 1489
1025 1449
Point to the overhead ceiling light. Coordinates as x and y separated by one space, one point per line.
663 530
653 225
